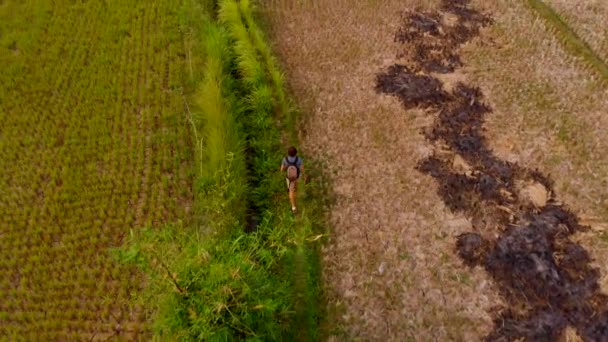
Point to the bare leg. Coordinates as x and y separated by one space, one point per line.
292 195
292 198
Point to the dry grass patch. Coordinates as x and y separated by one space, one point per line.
588 19
390 266
549 114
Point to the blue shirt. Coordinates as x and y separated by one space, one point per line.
292 160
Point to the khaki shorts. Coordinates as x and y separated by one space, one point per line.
291 185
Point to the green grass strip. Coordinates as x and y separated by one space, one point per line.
571 41
213 281
263 135
222 163
276 77
262 79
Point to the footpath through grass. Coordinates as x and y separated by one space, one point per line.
247 269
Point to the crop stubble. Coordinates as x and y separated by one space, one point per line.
588 19
90 146
522 236
390 267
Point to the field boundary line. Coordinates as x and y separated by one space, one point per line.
571 41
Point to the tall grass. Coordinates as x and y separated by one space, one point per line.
215 281
222 166
263 136
285 108
267 104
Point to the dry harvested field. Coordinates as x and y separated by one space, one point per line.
92 144
589 19
467 169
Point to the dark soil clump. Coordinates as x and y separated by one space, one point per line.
545 278
432 44
413 90
471 248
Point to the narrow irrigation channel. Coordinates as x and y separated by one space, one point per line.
522 233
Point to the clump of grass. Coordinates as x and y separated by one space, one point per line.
211 288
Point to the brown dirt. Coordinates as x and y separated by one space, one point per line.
390 266
533 193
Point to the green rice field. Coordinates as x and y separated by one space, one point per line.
93 143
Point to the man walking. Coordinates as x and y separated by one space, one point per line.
295 168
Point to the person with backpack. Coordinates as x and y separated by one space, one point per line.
295 168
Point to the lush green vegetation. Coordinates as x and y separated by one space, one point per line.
93 141
116 115
268 105
247 269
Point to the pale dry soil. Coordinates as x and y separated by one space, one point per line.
390 266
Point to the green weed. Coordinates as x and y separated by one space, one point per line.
214 281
